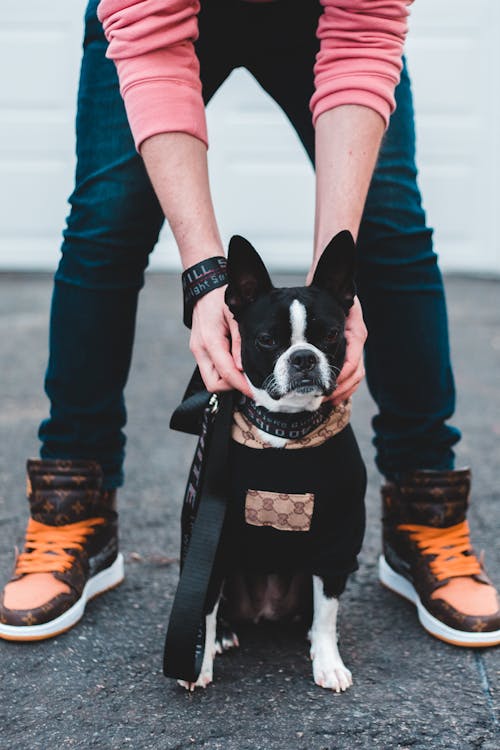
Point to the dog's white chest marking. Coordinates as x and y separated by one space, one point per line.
273 440
329 670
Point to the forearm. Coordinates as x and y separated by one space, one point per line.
177 166
347 143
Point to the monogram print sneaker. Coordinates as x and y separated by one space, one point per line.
70 551
428 558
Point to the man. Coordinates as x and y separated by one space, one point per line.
114 223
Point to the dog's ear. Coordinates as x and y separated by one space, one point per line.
248 278
336 269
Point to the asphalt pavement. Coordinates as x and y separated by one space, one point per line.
101 685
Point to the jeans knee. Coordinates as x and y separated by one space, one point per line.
90 266
394 233
394 204
106 251
112 228
399 262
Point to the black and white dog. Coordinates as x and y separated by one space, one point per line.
296 514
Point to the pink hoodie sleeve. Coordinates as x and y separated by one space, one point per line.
359 61
151 43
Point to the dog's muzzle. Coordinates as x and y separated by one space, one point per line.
304 373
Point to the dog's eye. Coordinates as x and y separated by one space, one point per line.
266 341
332 336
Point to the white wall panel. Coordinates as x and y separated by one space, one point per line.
40 43
454 58
262 183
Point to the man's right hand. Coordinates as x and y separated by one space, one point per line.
215 344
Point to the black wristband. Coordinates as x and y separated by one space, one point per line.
200 279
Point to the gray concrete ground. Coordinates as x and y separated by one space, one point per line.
100 685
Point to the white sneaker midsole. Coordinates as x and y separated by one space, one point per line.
102 581
402 586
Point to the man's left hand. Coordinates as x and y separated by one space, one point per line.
353 371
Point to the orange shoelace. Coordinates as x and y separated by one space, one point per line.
453 552
48 545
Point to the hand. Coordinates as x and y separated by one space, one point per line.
215 344
353 371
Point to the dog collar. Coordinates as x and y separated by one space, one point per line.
284 425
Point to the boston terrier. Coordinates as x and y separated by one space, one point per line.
295 520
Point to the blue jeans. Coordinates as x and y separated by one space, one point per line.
115 220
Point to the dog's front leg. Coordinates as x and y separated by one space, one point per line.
207 667
328 668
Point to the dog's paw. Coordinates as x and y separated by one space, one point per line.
329 672
226 641
206 674
205 678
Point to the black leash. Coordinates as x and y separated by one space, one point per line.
185 641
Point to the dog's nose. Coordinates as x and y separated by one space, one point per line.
303 360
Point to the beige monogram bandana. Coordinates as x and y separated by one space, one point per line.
245 433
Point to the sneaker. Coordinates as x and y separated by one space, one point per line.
70 551
429 560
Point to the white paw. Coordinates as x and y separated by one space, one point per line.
329 672
205 678
228 641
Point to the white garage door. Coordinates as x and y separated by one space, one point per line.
39 56
262 182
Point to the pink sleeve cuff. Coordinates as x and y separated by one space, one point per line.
360 55
357 90
163 105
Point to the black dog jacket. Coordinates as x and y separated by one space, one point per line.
296 508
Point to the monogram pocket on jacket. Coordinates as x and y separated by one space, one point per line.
282 511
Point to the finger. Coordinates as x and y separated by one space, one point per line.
349 386
211 378
353 359
215 383
220 386
218 351
348 369
356 334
